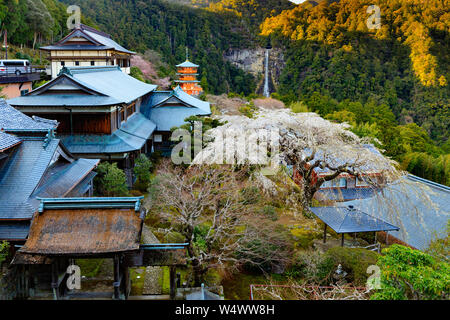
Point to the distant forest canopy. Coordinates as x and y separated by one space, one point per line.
252 12
405 64
393 77
34 22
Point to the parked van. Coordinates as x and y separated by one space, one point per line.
16 67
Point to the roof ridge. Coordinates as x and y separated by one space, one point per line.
75 70
86 203
429 182
346 215
92 29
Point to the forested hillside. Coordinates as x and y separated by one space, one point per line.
33 22
252 12
168 28
405 62
391 83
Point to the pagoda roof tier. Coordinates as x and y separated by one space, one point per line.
187 64
186 81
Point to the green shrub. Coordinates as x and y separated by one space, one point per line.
412 274
439 248
4 251
248 110
142 172
137 73
298 107
354 261
110 181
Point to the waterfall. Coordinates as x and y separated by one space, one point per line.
266 92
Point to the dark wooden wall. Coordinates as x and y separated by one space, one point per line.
95 123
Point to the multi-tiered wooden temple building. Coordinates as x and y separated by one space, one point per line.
87 47
187 77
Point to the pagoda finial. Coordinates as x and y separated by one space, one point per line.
187 54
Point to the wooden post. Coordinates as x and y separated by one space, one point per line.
116 278
342 240
55 280
325 234
375 237
178 280
126 279
173 284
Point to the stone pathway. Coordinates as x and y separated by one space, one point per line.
152 283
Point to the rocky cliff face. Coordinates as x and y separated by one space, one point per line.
252 61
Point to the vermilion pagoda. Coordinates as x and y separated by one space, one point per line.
187 73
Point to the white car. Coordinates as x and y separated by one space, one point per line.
16 67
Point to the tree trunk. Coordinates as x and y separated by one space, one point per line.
197 274
308 195
196 267
34 39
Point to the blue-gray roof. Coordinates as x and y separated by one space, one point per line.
63 100
14 230
168 109
131 136
349 220
156 98
83 186
110 81
20 176
13 119
108 42
8 141
187 81
168 117
104 85
60 181
192 101
81 47
31 171
101 41
421 208
187 64
346 194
